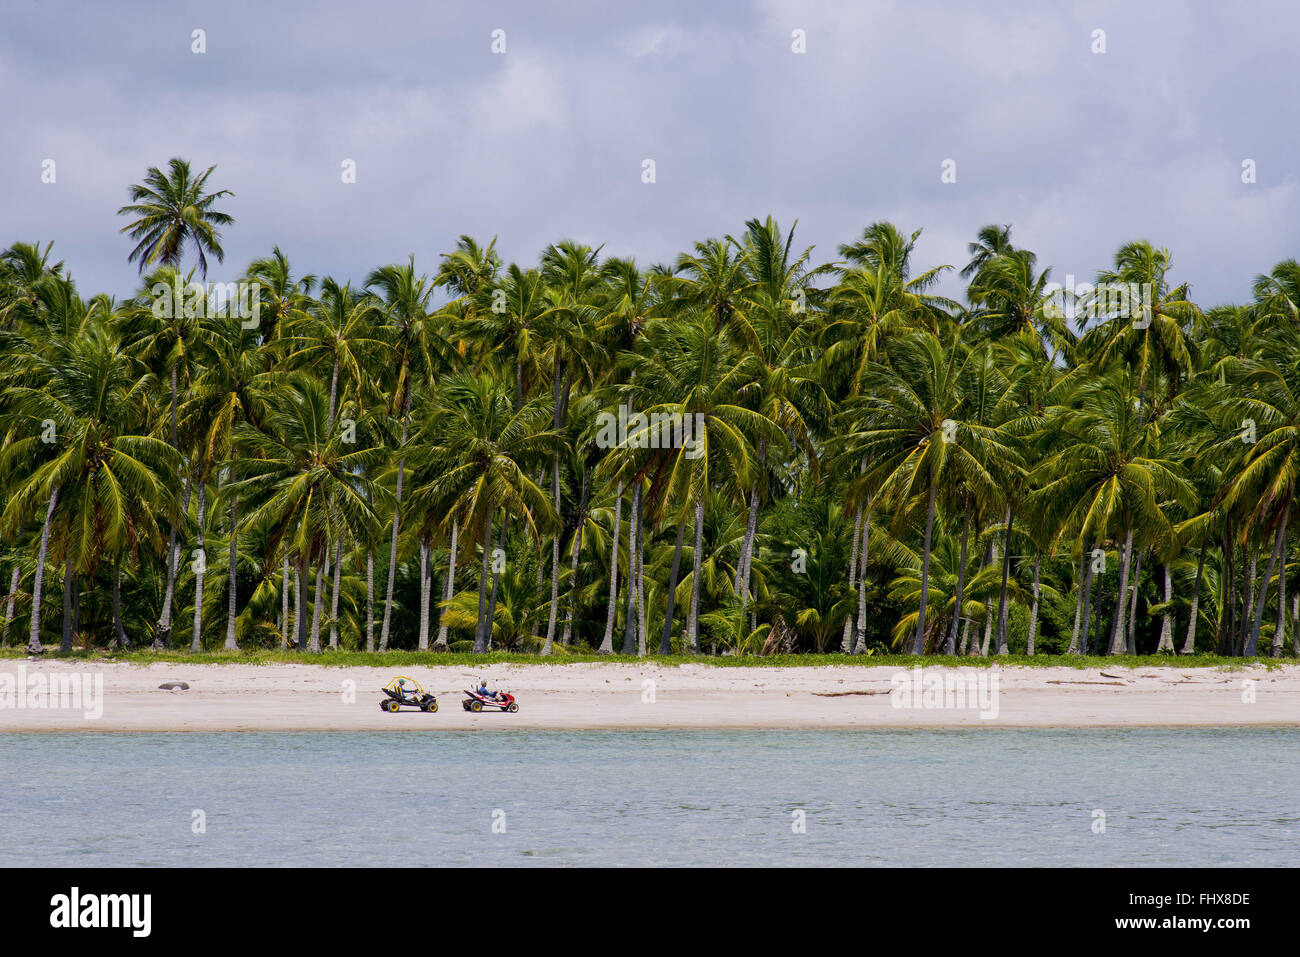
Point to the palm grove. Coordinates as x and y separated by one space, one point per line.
420 462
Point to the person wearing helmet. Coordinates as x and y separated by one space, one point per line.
406 689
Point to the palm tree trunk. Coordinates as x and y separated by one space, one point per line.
1166 643
334 598
640 579
607 643
693 613
370 599
284 601
1223 635
299 606
846 640
751 530
1247 594
334 391
1295 625
741 586
425 595
397 522
981 648
9 603
496 580
1131 641
318 602
633 540
480 638
567 637
119 631
1033 609
1189 645
296 641
553 613
196 642
1252 647
918 643
961 587
162 633
1073 649
448 589
860 642
1117 644
1166 619
1006 574
665 643
232 574
1279 626
1085 635
65 646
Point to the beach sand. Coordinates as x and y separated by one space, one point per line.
291 697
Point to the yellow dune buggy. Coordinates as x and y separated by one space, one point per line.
406 692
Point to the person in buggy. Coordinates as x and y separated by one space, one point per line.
406 688
483 690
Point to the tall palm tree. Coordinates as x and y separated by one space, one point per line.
418 349
173 210
232 387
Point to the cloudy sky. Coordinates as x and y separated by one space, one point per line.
1078 150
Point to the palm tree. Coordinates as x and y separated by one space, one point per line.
573 278
1266 394
1109 475
991 242
282 296
308 484
486 447
418 350
172 210
687 374
76 411
231 388
910 432
164 338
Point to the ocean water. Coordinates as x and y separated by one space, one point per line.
518 798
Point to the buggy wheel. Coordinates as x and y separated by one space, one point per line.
390 706
513 707
476 706
429 706
465 705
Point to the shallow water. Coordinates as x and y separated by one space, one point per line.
1198 797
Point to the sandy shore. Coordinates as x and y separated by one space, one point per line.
577 696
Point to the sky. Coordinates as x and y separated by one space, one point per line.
546 137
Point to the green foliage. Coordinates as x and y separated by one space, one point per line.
153 461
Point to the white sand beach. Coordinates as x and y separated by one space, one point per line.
291 697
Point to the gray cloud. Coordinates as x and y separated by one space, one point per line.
1079 151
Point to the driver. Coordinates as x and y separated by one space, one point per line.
483 690
406 689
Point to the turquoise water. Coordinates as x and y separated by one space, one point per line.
956 798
